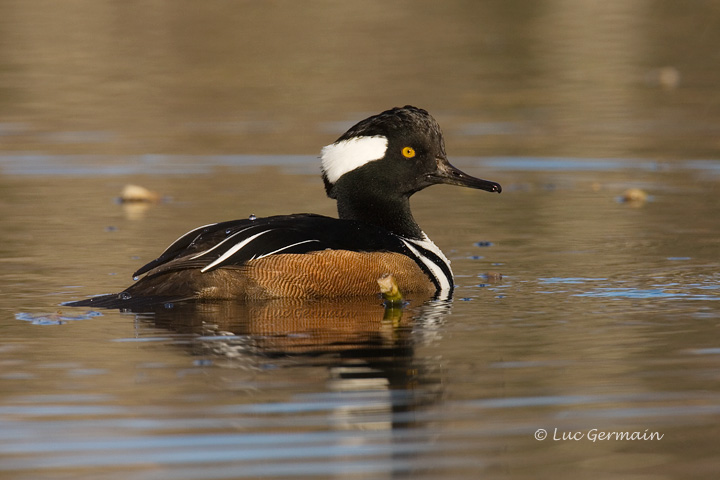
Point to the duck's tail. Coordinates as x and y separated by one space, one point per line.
123 301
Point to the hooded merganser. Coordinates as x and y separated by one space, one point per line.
371 170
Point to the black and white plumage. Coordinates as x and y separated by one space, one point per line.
371 170
232 244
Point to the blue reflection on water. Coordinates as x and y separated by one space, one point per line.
649 293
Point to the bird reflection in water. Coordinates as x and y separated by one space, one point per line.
366 347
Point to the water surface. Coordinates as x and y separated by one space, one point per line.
605 320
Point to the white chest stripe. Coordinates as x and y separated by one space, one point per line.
428 244
233 250
345 156
443 281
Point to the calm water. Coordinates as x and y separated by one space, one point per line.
605 321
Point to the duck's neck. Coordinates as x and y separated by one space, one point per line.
389 212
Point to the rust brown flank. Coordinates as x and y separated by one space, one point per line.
323 274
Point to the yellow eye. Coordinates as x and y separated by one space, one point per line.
408 152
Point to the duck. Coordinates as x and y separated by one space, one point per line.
371 171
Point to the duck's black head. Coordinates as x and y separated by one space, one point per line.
401 151
378 163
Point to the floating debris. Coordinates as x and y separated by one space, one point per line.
634 195
492 276
390 290
667 78
135 193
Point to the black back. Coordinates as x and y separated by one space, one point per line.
301 233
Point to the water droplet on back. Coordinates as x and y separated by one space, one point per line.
135 278
252 216
124 296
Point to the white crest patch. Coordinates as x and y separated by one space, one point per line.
342 157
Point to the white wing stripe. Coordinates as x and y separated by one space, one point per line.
234 250
216 246
185 235
284 248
